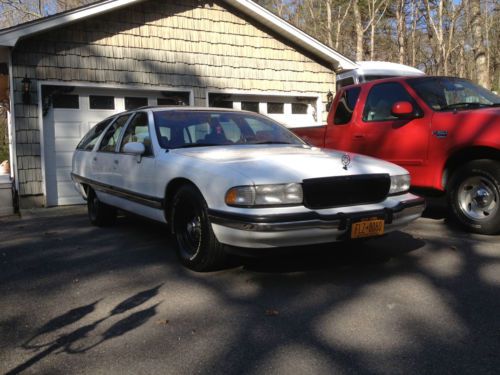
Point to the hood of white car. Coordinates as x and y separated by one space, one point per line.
285 163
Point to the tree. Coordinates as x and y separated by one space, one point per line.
15 12
478 43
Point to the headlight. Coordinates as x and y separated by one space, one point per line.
265 195
399 184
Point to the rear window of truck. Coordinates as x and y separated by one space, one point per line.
345 107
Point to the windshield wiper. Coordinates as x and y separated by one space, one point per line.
197 145
271 143
463 105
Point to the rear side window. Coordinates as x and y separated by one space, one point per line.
110 138
381 98
347 102
87 143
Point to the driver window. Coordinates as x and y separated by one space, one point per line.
380 100
138 131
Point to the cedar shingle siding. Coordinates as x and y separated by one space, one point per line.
200 44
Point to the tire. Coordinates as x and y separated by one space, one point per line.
197 247
474 196
100 214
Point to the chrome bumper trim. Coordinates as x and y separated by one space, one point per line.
313 220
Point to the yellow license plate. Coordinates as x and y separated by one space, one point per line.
367 228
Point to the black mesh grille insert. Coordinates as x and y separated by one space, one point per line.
330 192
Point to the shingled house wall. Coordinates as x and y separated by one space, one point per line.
205 45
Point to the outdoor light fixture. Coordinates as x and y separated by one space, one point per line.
329 100
26 90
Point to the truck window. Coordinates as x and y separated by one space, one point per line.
382 97
345 107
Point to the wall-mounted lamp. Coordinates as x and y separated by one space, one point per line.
329 100
26 90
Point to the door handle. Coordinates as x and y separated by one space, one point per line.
115 161
95 158
359 136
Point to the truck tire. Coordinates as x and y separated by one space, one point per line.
100 214
197 247
474 196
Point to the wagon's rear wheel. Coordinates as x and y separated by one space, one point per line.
100 214
197 246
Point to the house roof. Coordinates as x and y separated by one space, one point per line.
9 37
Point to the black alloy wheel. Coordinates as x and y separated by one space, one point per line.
100 214
197 247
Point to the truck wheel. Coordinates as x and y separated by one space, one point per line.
474 196
197 247
100 214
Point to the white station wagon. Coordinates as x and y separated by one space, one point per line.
224 180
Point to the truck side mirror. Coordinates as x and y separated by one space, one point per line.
402 110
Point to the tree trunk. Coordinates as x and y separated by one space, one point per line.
414 15
478 44
329 24
401 30
359 31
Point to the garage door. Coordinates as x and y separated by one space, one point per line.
69 118
291 111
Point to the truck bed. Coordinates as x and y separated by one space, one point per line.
314 135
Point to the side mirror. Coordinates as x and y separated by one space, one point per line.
135 148
402 110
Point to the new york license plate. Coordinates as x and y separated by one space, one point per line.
367 228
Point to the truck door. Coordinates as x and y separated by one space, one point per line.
339 129
377 132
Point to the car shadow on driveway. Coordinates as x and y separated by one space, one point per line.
335 255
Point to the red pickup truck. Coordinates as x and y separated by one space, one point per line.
444 130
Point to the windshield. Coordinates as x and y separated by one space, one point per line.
179 129
446 93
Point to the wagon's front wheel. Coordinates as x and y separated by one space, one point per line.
197 246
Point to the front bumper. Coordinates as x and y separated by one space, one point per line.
269 231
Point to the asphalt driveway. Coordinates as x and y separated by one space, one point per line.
76 299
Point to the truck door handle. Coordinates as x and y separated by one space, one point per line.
359 136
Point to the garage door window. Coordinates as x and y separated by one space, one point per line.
174 98
250 106
275 108
299 108
65 101
135 102
101 102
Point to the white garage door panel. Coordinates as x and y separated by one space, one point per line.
63 174
66 189
66 144
64 128
63 159
67 129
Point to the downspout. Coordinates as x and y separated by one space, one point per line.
11 125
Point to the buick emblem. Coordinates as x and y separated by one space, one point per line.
346 160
